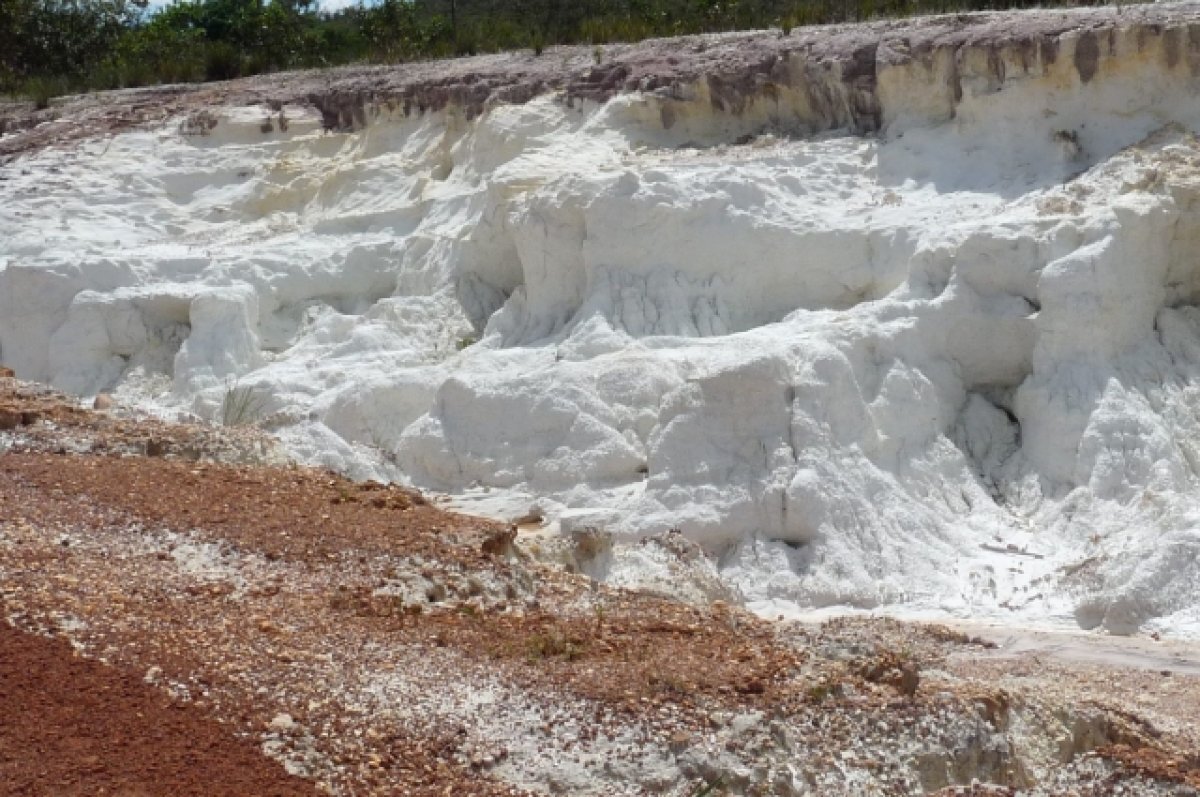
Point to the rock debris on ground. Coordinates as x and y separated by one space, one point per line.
282 630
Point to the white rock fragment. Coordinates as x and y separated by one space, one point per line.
282 723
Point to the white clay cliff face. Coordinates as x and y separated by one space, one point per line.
876 371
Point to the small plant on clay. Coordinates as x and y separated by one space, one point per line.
707 788
241 405
553 644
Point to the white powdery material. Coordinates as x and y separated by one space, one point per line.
955 369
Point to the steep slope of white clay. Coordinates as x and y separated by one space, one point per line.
950 367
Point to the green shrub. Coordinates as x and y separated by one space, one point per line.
41 90
222 61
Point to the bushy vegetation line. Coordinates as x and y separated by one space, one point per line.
49 47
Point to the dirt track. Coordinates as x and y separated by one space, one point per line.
1133 653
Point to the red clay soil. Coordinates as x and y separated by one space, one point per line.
70 726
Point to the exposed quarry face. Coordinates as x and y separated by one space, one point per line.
897 317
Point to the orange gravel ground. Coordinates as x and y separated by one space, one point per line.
236 606
72 726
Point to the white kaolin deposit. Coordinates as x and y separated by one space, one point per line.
931 345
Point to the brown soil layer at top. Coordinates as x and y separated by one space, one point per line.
732 66
72 726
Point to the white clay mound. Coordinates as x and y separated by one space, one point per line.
952 368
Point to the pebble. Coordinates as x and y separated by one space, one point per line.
282 723
680 741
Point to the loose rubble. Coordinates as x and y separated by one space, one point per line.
374 644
